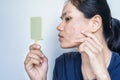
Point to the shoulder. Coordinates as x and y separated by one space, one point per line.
114 67
115 59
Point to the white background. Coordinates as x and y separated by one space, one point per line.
15 33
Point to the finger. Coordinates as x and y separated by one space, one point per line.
92 37
93 44
81 48
92 57
92 48
35 61
37 52
40 54
34 56
32 62
89 46
26 60
45 58
35 47
88 51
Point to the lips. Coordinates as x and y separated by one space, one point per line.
60 37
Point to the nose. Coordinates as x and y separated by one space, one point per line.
60 27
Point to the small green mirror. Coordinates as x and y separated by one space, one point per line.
36 28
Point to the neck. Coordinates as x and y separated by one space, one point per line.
107 53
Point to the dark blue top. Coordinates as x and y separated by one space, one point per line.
68 67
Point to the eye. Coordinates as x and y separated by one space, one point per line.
68 19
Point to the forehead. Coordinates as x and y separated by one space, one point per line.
69 8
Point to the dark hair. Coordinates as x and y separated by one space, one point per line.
111 26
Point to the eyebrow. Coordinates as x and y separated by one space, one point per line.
64 14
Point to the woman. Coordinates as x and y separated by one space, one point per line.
88 26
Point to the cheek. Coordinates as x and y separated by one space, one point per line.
76 31
72 34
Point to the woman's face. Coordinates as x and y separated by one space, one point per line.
73 22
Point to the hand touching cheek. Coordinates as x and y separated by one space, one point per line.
92 47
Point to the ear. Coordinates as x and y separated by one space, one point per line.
96 23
